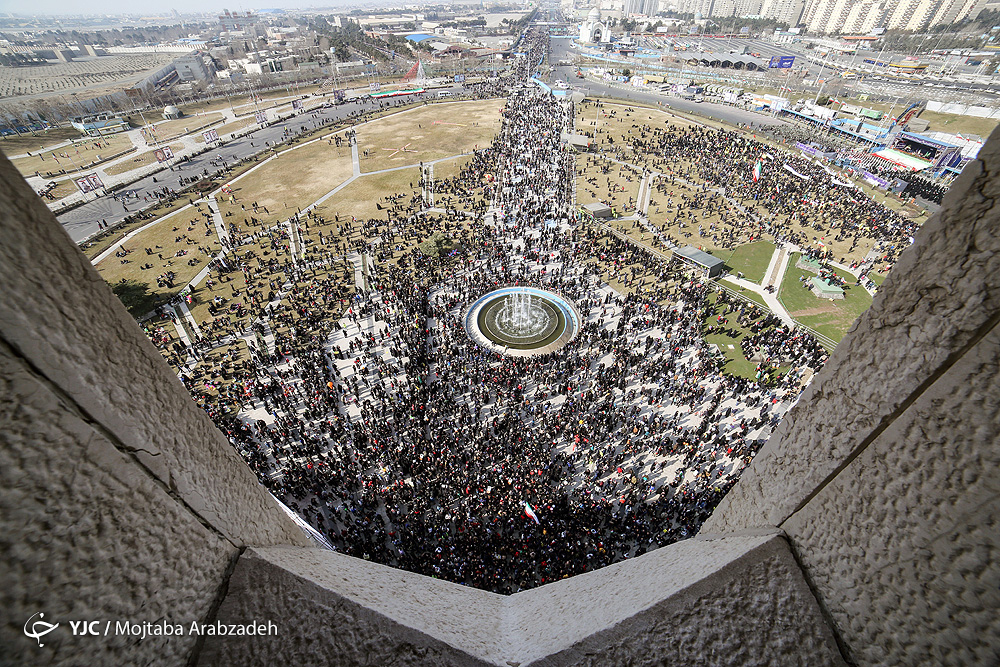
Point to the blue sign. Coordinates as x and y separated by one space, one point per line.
781 62
459 78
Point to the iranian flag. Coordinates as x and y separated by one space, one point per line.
531 513
756 171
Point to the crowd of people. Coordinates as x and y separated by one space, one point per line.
343 374
708 173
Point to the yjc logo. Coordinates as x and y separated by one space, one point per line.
39 628
85 628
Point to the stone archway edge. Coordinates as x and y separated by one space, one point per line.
335 609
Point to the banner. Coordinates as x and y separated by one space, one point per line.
375 86
788 168
163 154
459 78
261 117
815 152
781 62
874 180
89 183
296 104
210 136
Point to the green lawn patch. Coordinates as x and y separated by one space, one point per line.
830 318
736 363
753 296
751 260
876 278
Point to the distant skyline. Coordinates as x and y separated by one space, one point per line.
153 8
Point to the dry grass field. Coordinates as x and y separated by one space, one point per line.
362 198
186 233
16 145
600 180
714 223
449 168
427 133
168 129
63 189
77 155
293 180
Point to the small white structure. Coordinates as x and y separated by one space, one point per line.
171 112
593 30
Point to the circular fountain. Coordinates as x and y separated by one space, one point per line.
522 321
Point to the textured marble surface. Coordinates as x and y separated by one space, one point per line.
724 601
903 546
86 534
332 609
59 315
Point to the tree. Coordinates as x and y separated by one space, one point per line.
135 296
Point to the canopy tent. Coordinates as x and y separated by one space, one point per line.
902 159
711 266
825 290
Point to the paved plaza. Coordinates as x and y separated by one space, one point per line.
328 340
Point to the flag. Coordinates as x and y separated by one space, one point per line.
531 513
756 171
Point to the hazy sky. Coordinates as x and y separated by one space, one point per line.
150 7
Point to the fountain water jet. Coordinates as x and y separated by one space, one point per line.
516 314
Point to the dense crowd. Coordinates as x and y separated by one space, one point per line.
708 173
364 406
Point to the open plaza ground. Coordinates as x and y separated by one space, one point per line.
314 308
320 167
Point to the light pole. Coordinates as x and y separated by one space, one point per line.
821 83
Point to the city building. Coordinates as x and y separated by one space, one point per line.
100 124
192 67
784 11
848 16
593 29
236 21
641 7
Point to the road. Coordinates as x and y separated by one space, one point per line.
81 222
560 50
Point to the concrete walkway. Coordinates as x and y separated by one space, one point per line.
769 299
190 318
774 267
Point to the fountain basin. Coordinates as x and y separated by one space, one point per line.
522 321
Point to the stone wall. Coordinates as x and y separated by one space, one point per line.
707 601
119 499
